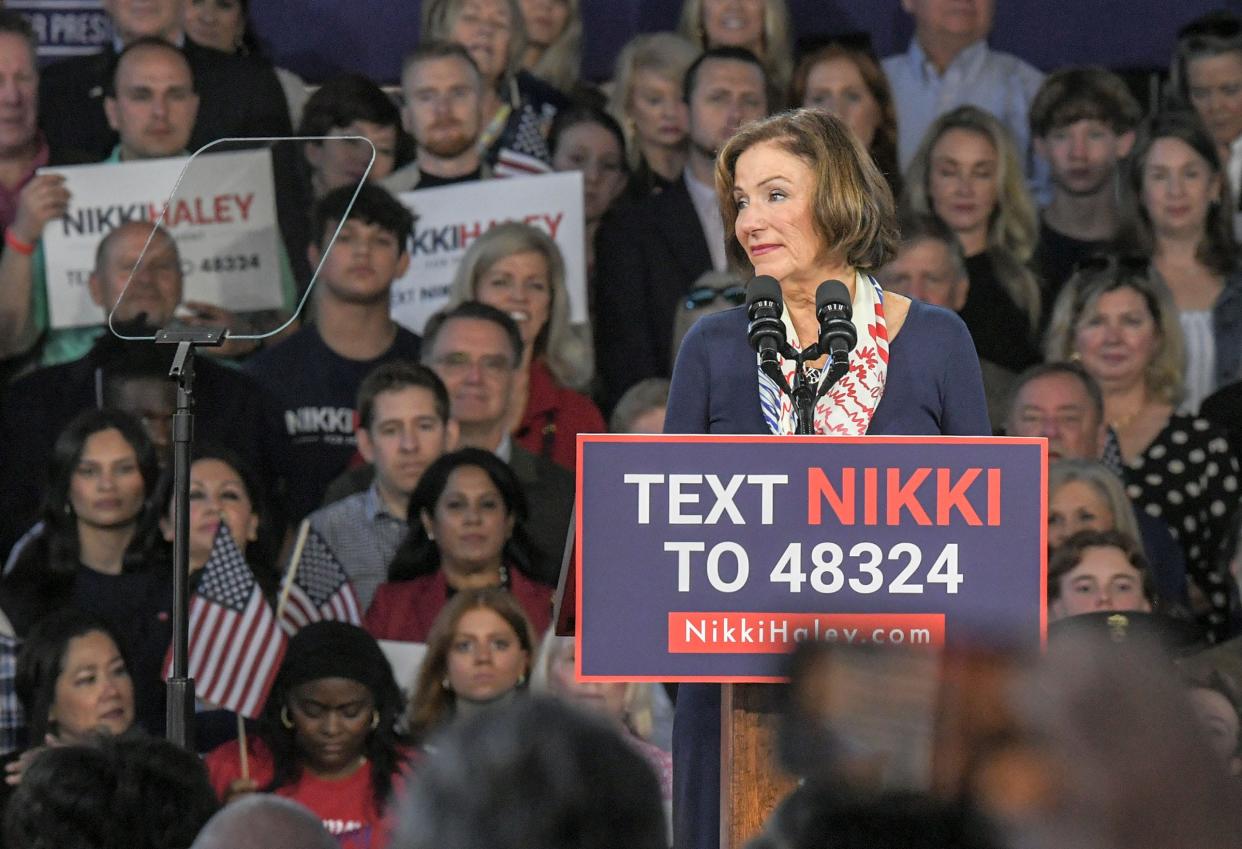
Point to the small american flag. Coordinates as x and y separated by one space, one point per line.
235 644
524 151
320 588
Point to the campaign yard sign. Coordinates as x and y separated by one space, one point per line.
450 218
707 558
223 218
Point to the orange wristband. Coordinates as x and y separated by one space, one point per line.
18 244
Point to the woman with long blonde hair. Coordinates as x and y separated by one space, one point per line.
967 173
553 41
760 26
648 103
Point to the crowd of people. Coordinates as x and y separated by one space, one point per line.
1076 248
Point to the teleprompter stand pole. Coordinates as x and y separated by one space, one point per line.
180 686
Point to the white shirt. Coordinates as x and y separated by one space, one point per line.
703 197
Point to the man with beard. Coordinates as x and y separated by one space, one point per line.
1083 122
648 254
443 94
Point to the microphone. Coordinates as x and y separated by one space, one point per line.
834 310
766 332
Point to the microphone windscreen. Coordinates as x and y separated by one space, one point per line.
764 288
833 292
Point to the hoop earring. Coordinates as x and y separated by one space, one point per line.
375 720
284 718
446 685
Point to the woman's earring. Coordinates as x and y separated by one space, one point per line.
284 718
375 720
446 685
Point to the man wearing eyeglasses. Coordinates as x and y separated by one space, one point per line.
475 349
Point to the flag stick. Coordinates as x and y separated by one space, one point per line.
241 742
293 569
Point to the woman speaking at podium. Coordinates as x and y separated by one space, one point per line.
804 203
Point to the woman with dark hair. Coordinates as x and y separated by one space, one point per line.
849 82
224 25
225 490
517 107
1206 75
479 655
327 735
73 685
95 548
589 140
352 105
1177 215
466 517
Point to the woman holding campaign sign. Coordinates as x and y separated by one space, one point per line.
803 203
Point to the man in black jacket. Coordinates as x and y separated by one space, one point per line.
649 254
239 96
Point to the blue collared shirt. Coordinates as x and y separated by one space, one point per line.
999 82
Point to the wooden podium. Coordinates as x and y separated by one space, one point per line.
751 782
714 554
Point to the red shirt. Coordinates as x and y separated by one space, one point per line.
554 417
405 610
346 805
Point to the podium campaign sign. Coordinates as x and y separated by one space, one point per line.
223 219
706 558
450 218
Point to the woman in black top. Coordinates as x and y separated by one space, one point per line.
95 548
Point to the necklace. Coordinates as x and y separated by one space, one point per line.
1125 421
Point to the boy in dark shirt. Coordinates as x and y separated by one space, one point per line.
1083 122
311 379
